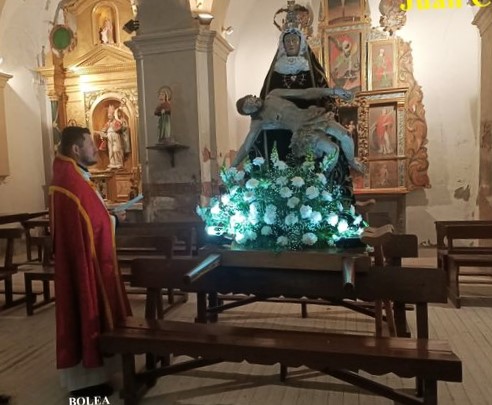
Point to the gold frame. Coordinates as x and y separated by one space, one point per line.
375 99
372 50
344 19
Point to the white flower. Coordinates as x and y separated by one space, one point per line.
239 175
240 237
352 210
225 199
285 192
342 226
270 214
340 207
266 230
253 214
309 238
316 217
291 219
199 210
321 178
233 190
312 192
252 184
306 211
248 196
280 165
297 181
258 161
282 241
232 171
237 218
247 167
326 195
292 202
358 220
250 235
281 181
332 219
215 210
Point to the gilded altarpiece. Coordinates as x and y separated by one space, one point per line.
387 116
93 79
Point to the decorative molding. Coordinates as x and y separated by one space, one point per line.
416 150
392 17
166 42
99 55
483 20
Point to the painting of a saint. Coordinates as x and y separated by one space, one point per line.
382 131
384 174
383 69
344 52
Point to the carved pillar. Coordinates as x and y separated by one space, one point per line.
483 20
187 58
4 150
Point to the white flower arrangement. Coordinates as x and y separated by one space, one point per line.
280 207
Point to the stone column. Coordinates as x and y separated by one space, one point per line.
172 49
483 20
4 150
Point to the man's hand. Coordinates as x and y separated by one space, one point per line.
121 215
343 94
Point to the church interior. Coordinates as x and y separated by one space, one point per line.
156 84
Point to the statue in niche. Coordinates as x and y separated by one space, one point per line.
112 136
163 111
106 32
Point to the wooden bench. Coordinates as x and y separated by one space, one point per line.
128 247
442 239
339 355
455 256
189 233
9 268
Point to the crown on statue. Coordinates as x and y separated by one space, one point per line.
296 16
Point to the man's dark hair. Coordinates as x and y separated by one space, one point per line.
71 136
240 105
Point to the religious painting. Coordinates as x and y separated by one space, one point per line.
382 126
382 64
343 12
358 180
104 25
345 60
349 118
384 174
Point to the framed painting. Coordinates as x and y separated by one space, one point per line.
384 174
382 69
383 131
343 12
345 60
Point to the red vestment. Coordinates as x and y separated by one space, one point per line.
383 124
90 296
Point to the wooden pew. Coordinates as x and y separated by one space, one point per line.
128 247
189 233
339 355
442 239
470 256
9 268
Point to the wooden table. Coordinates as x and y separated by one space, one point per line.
314 275
266 274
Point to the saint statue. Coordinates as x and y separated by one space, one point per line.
163 111
106 32
112 133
